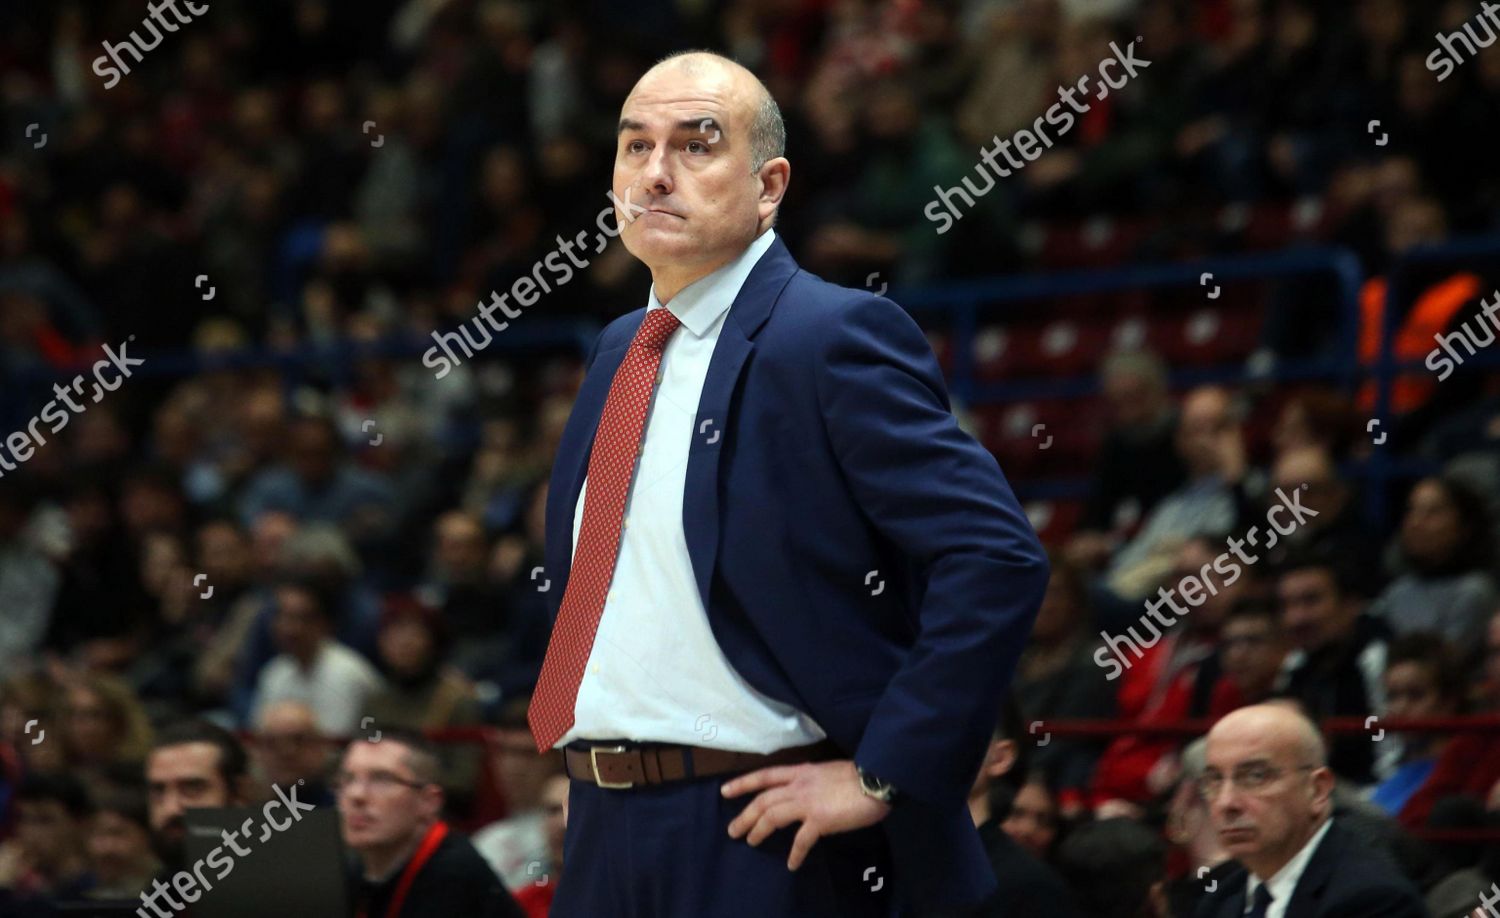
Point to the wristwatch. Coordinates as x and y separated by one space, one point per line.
875 788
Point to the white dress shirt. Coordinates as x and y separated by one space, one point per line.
656 673
1284 883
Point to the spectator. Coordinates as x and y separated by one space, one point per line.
1446 545
1469 766
424 693
192 764
1057 678
316 484
1192 832
1179 674
1339 654
1269 792
312 667
409 862
1033 818
1253 647
105 729
289 749
1138 461
1422 680
46 858
1117 867
1027 885
1338 529
1210 439
1318 420
535 898
119 846
459 583
520 838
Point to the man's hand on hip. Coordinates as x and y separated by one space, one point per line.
825 797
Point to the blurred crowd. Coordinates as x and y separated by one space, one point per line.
305 550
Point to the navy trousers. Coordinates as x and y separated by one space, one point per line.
665 852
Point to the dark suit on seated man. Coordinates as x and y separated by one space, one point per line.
1269 793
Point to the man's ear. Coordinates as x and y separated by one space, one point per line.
1322 789
999 759
775 176
432 800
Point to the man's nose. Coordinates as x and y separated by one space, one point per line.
656 178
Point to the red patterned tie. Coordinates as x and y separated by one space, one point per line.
617 445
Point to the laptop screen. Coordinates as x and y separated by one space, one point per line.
261 862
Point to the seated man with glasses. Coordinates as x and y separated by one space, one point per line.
409 862
1269 794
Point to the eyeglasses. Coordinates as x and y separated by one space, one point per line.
379 782
1252 779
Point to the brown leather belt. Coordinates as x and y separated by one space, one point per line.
621 766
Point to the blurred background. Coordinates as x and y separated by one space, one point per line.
1225 279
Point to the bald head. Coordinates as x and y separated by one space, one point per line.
288 717
1275 728
761 114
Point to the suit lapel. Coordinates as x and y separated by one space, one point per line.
713 425
1315 878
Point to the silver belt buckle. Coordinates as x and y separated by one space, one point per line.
594 764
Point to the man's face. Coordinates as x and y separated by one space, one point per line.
45 831
1206 423
1411 690
290 748
117 846
180 778
298 626
683 154
381 801
1312 611
1253 652
1268 800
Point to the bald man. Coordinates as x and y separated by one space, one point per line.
1269 792
789 591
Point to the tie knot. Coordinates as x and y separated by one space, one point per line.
1261 901
658 327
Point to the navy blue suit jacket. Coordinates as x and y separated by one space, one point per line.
1344 879
824 448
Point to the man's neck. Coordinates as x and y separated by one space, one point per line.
1268 867
382 862
668 282
979 808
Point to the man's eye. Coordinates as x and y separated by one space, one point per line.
697 146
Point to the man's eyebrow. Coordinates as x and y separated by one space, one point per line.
705 125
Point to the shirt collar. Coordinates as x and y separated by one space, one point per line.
1284 883
700 304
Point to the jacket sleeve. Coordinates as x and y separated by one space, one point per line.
941 498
